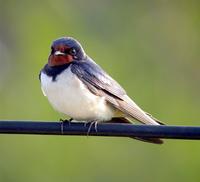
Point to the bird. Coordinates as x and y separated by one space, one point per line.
78 87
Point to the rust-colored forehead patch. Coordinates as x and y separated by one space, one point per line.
61 47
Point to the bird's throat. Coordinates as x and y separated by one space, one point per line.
59 60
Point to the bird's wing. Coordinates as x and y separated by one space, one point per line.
92 73
100 83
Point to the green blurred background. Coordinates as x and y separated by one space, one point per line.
151 47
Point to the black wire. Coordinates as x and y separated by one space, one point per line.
103 129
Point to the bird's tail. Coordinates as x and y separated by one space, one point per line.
144 139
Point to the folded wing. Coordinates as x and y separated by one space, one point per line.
100 83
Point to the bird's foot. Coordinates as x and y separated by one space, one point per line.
91 123
65 121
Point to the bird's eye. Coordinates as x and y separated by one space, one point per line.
72 51
52 50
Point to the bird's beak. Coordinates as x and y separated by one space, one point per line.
58 53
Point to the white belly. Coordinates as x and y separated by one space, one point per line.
70 96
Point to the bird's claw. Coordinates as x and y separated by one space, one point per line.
65 121
90 126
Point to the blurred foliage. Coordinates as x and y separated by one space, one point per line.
150 47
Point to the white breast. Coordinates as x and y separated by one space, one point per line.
70 96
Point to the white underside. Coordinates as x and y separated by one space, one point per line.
70 96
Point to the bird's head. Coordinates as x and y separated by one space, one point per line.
64 51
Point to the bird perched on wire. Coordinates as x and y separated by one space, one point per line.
76 86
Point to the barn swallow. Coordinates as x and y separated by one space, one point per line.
76 86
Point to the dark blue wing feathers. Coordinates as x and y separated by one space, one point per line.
91 73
